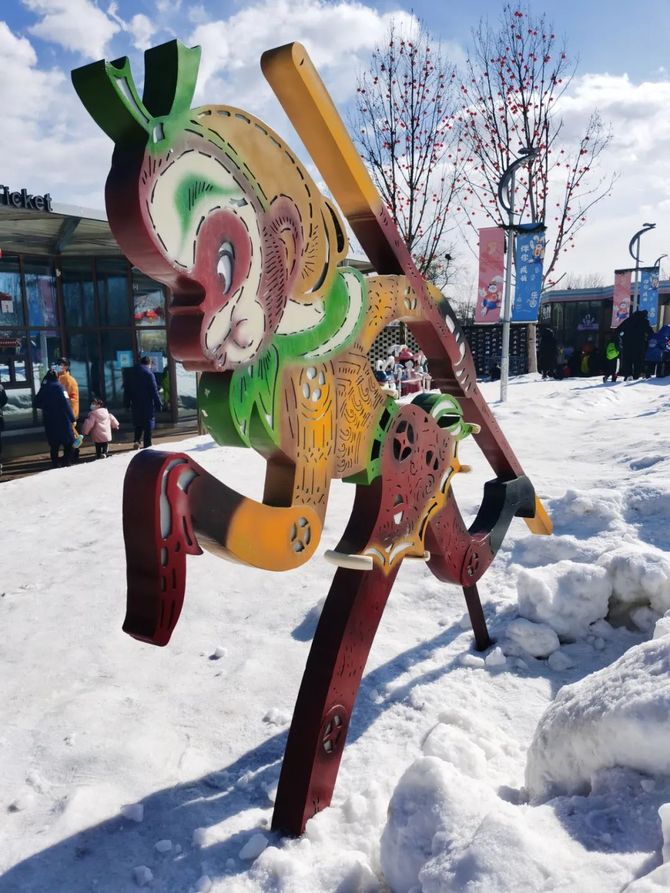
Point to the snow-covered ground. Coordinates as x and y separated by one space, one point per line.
544 766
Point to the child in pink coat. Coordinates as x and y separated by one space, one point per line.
99 423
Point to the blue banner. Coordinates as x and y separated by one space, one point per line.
529 256
649 295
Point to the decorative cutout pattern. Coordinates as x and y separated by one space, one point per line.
215 205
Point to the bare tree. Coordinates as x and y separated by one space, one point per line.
582 280
407 134
516 74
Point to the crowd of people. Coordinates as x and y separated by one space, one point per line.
58 398
631 351
403 372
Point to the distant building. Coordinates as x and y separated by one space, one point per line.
66 289
581 314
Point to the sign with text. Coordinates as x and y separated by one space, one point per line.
21 198
621 299
528 260
649 294
491 279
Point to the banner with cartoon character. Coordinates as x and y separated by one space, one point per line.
491 278
649 294
621 300
528 259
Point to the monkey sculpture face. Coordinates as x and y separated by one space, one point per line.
236 248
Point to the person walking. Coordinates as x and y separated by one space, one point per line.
3 401
547 353
69 384
58 418
143 399
611 360
634 333
99 424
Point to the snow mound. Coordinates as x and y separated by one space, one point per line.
592 511
639 577
656 882
453 745
619 716
662 627
567 596
434 807
536 639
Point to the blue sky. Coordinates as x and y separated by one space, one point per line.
49 144
610 36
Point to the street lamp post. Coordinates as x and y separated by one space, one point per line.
506 200
634 251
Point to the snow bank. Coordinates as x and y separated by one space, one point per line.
567 596
639 577
536 639
618 716
434 807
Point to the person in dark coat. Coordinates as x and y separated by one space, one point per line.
142 397
547 352
634 333
58 418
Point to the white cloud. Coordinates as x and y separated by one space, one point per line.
76 25
49 144
640 153
338 36
142 30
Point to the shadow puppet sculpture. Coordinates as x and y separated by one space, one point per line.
215 205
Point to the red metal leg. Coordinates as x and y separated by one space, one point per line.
158 535
327 695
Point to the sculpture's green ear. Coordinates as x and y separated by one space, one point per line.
170 76
108 91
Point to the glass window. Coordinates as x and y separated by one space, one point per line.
40 292
148 300
117 347
13 356
44 351
557 317
77 285
18 411
11 305
84 355
113 302
187 400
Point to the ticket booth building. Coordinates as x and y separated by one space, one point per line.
66 289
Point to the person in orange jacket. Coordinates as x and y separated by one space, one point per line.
69 384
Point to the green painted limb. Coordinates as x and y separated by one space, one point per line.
214 404
240 408
108 92
373 468
254 395
337 306
447 412
170 77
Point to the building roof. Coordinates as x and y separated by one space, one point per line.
72 230
602 293
67 229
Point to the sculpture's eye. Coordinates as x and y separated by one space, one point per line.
225 266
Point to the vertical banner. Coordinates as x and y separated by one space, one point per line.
649 294
528 260
621 299
491 279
